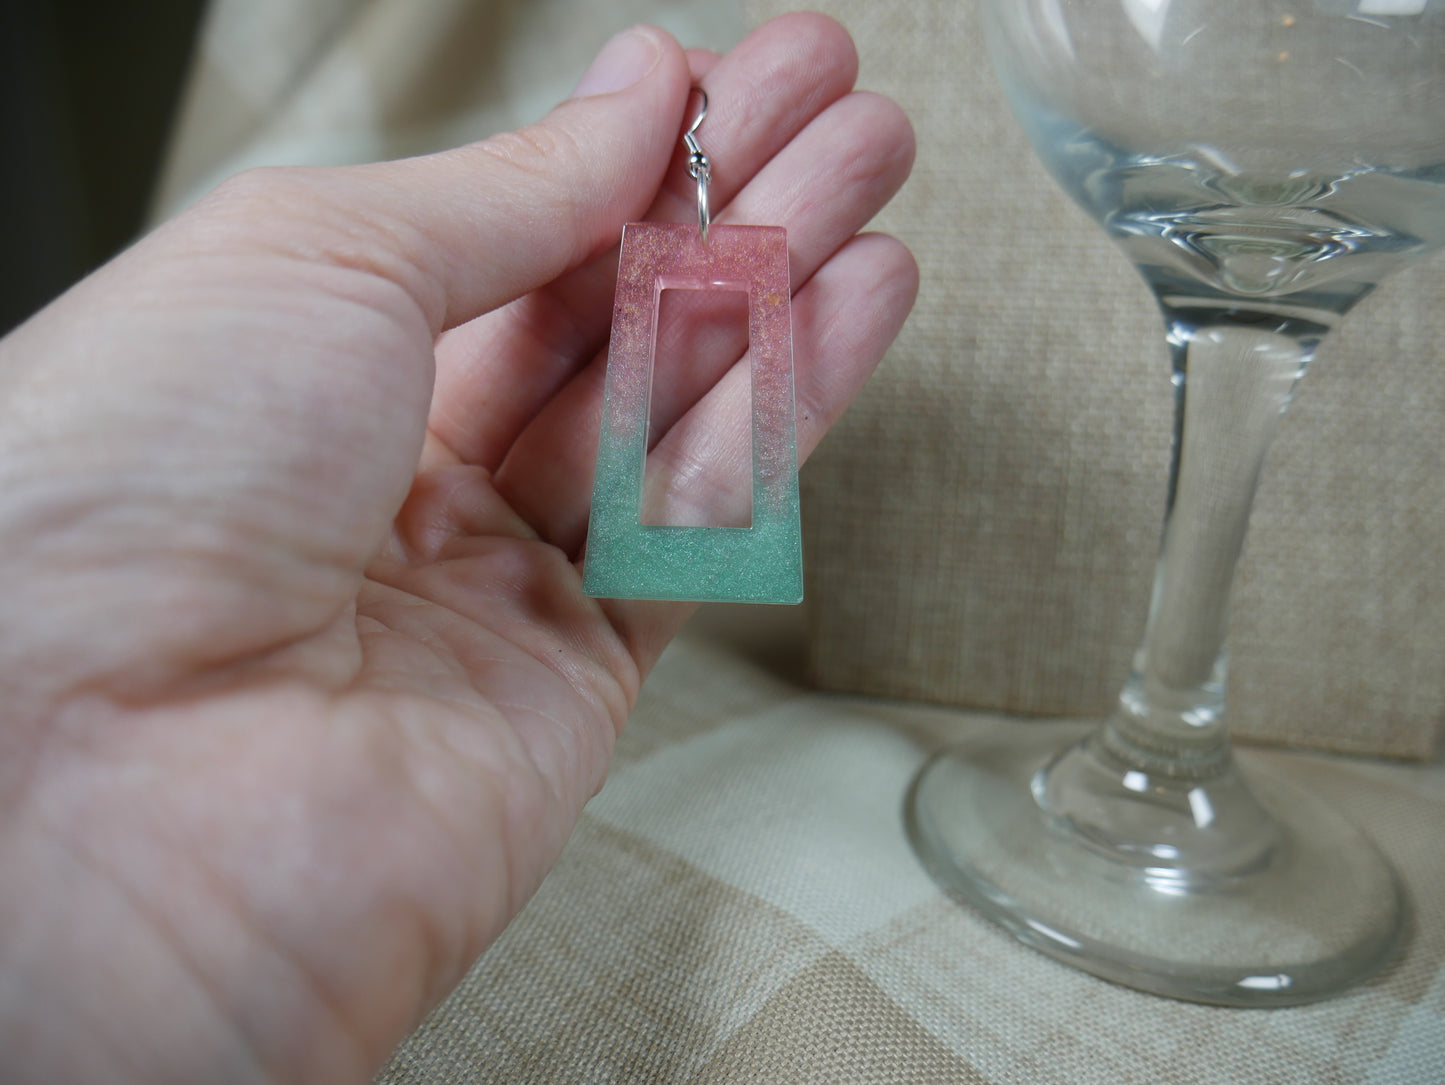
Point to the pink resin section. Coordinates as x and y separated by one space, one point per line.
629 559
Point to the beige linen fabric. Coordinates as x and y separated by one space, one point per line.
740 904
330 82
982 526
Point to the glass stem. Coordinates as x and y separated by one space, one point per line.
1232 384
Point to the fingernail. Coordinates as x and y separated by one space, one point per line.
624 60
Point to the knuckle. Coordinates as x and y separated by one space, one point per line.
537 151
263 191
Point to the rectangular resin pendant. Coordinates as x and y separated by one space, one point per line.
629 559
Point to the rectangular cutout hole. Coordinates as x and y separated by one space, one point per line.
699 469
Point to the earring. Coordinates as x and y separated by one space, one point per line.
627 558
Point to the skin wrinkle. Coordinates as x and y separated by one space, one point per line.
304 616
238 522
434 598
75 506
21 748
561 523
467 354
556 334
848 162
412 530
238 666
810 398
462 549
311 981
574 225
434 815
121 1065
127 684
585 687
332 656
434 643
834 141
225 675
506 785
693 491
160 929
455 504
861 169
331 236
443 964
524 816
644 641
409 793
557 728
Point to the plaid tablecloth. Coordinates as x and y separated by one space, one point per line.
740 904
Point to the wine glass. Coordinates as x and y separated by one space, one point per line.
1264 164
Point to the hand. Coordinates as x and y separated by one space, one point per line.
299 693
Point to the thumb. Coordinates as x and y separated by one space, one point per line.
493 220
466 230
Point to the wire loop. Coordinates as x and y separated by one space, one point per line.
699 166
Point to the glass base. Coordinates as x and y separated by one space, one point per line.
1206 890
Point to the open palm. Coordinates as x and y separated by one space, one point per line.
299 692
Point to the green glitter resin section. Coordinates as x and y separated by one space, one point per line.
627 559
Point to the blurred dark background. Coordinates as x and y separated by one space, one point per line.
88 90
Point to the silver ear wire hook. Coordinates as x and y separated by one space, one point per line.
699 167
